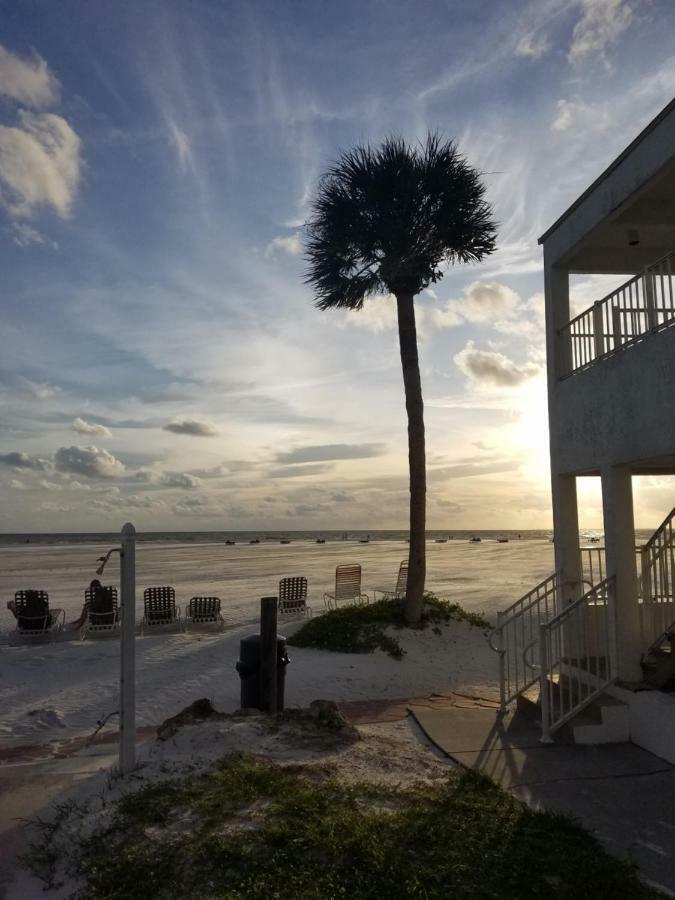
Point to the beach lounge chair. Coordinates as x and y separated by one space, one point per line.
347 587
103 615
293 596
33 615
160 607
204 611
401 584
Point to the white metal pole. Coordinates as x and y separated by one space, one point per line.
127 651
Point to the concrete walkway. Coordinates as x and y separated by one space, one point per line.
622 794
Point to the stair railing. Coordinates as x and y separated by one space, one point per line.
517 627
657 559
575 657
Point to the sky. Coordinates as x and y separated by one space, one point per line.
161 359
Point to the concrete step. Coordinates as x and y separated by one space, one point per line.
604 721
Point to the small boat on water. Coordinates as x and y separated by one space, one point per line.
441 541
230 543
254 541
502 540
475 540
321 540
284 542
365 540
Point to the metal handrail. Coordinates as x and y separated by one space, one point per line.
575 656
660 529
642 305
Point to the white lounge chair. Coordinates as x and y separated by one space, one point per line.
293 597
204 611
401 585
160 608
34 618
347 587
103 617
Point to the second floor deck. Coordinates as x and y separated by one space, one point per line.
631 313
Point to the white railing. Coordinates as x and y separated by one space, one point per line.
657 610
642 305
575 657
517 627
592 564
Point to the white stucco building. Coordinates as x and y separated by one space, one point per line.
600 624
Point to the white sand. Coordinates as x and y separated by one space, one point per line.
55 690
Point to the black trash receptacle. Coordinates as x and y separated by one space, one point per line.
249 671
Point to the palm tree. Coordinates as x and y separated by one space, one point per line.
387 220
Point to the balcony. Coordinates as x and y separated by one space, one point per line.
629 314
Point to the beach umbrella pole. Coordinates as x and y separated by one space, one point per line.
127 651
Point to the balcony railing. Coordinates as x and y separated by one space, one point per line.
639 307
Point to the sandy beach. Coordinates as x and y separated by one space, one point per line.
54 690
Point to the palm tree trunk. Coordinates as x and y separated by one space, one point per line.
407 336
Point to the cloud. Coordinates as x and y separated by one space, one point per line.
491 367
378 314
483 301
487 301
193 427
83 427
471 469
181 144
140 501
579 115
179 480
197 506
50 485
51 506
43 391
23 461
25 235
212 472
324 452
300 471
291 245
39 164
533 45
602 23
27 80
89 461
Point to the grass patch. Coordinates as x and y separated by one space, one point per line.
255 830
361 629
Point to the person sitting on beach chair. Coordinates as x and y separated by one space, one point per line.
31 610
100 612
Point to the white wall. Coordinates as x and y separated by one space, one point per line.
620 410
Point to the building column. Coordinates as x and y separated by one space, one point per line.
624 613
566 536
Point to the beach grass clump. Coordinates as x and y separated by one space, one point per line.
361 629
253 829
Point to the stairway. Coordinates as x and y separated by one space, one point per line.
604 720
658 662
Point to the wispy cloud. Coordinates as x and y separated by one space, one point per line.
181 144
325 452
601 25
534 44
290 244
300 471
